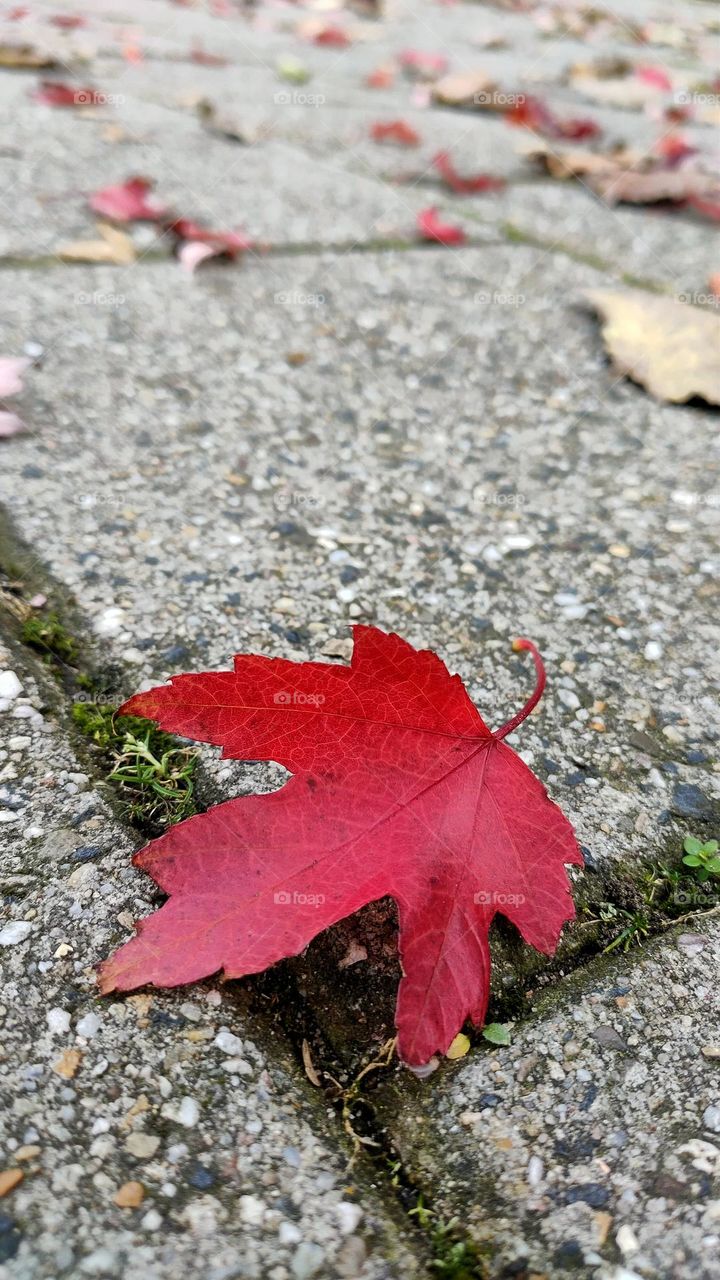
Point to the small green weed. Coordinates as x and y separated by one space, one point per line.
703 858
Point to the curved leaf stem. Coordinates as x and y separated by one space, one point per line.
537 695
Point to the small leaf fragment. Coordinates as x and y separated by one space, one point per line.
292 70
459 1047
309 1066
496 1033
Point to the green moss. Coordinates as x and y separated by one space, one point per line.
641 282
47 635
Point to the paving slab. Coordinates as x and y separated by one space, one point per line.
591 1145
190 1110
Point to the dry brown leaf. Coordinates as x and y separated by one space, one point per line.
224 125
670 348
67 1064
18 56
631 187
309 1065
630 92
472 89
115 247
578 162
9 1178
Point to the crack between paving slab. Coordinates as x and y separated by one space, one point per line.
506 234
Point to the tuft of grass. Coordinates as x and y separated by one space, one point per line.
153 775
158 783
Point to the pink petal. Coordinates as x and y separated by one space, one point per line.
11 370
193 252
10 425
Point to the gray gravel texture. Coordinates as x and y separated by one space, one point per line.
591 1145
241 1173
330 431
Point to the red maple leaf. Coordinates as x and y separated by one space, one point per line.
127 201
383 77
67 21
707 205
431 227
54 93
229 243
464 186
416 62
332 37
534 114
398 132
398 788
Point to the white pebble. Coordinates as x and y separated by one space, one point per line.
109 622
226 1042
10 686
711 1118
626 1240
653 651
58 1021
288 1233
16 931
308 1261
88 1026
569 699
237 1066
151 1221
348 1216
25 712
535 1171
252 1210
188 1113
518 542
